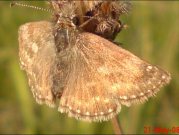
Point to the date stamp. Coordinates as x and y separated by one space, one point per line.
161 130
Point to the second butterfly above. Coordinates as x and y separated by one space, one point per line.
102 17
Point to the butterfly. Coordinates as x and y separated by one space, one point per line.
102 17
83 74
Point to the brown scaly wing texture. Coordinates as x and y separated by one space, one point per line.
103 76
37 57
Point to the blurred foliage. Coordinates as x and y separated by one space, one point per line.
153 35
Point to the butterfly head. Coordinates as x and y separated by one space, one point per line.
64 14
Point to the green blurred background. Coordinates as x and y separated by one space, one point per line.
153 35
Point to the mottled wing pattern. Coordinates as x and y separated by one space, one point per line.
37 57
104 76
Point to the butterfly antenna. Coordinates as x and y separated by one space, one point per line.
29 6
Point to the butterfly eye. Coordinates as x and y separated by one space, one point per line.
75 20
90 13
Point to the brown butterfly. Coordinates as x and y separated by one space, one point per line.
81 73
102 17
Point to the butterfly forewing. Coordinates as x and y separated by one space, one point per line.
38 58
128 77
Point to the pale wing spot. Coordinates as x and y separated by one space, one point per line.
136 87
156 68
133 96
78 111
163 76
123 97
40 96
35 48
141 94
95 114
21 62
87 113
32 74
70 107
148 91
61 110
33 93
22 67
97 98
159 82
39 88
29 60
103 70
115 86
106 100
154 87
102 113
149 82
110 110
149 68
36 94
79 103
27 57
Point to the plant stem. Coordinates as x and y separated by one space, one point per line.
116 126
